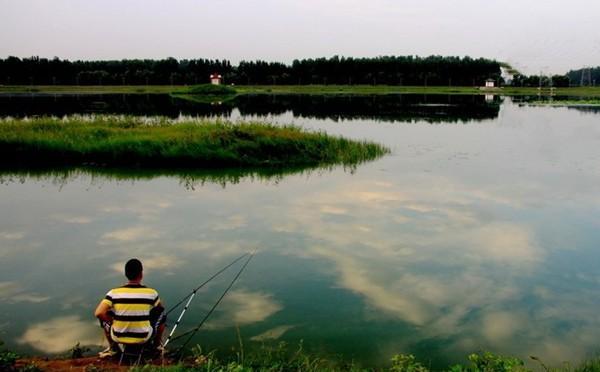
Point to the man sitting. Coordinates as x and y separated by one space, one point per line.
131 314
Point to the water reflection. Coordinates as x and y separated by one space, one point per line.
590 105
403 108
188 178
465 238
60 334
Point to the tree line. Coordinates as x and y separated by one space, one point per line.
544 81
585 77
589 76
389 70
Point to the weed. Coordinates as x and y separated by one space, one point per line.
7 359
78 351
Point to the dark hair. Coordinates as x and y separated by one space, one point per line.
133 268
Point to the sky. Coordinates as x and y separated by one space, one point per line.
549 36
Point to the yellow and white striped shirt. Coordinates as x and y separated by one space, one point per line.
131 305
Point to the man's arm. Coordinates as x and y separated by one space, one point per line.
158 304
102 311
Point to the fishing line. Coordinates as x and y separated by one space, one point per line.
190 297
194 330
205 283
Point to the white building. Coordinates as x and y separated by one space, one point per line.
215 79
490 83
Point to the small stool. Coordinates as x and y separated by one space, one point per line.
131 352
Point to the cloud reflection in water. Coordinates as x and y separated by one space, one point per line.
60 334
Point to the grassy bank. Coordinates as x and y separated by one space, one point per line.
394 89
111 141
296 89
588 102
207 93
279 358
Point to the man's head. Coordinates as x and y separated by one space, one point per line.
133 269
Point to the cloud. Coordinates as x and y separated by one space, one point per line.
230 223
146 208
217 249
354 276
130 234
501 326
242 307
272 334
11 235
327 209
427 256
504 243
77 220
11 292
163 263
60 334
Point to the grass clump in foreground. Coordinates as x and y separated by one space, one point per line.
154 143
278 358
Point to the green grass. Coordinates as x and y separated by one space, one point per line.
394 89
207 93
93 89
111 141
210 89
567 102
279 359
298 89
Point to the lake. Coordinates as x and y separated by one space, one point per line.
478 232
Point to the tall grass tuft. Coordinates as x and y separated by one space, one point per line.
118 141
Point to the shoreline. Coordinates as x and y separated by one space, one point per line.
279 358
299 89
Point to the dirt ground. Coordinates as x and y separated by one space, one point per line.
80 365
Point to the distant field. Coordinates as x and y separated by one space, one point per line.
295 89
93 89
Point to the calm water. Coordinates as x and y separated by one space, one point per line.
480 231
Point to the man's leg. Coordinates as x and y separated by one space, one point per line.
158 319
113 347
160 330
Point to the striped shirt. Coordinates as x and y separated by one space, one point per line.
131 305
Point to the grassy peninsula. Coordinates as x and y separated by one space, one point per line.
115 141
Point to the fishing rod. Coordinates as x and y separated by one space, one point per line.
191 295
194 330
193 292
